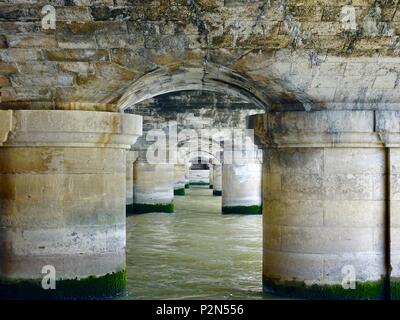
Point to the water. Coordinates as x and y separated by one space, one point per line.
196 253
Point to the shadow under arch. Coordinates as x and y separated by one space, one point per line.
203 148
202 155
207 77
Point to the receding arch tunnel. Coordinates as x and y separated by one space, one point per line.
203 125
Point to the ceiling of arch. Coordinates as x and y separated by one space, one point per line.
196 110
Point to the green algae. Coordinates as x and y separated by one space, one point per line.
395 288
187 186
179 192
89 288
129 209
217 193
138 208
242 210
368 290
199 183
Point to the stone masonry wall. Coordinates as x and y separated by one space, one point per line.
301 55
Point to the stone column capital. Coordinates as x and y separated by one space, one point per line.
58 128
388 127
344 128
5 124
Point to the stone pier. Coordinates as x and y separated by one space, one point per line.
62 203
217 180
211 176
131 157
153 186
199 177
329 203
180 179
325 74
241 186
187 176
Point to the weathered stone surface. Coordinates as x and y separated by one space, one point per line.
77 55
131 157
217 178
62 194
51 128
5 125
4 82
297 56
241 184
153 184
7 68
35 40
199 177
334 210
179 176
327 175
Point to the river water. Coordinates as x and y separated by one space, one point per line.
195 253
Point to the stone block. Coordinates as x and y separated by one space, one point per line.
21 80
39 187
6 68
289 265
297 161
20 55
395 213
386 82
77 55
323 240
7 187
367 266
271 237
348 213
299 213
348 187
76 42
354 161
39 40
395 264
395 187
303 186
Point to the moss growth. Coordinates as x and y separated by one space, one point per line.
369 290
217 193
395 288
138 208
179 192
242 210
90 288
199 183
187 186
129 209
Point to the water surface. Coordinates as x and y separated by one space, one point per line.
195 253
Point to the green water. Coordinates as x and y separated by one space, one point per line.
195 253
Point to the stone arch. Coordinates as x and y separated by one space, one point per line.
207 77
202 154
189 153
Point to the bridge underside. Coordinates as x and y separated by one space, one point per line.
83 83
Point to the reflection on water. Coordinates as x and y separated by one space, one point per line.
196 253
